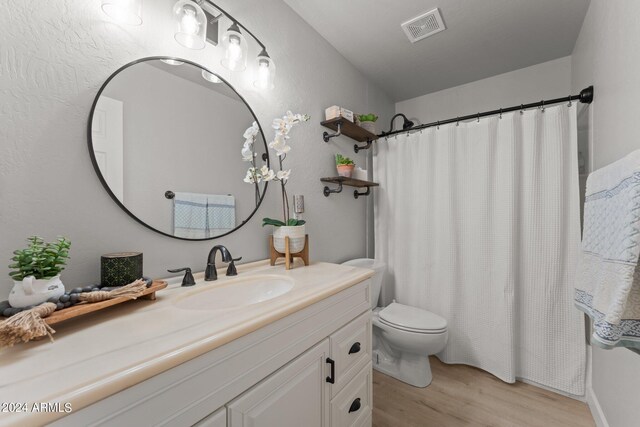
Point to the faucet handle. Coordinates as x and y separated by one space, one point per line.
231 269
188 279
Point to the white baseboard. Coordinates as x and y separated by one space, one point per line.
596 410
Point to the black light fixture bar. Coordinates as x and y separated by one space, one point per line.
224 12
585 97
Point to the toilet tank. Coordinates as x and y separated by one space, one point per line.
376 281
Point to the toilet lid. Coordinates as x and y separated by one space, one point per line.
413 318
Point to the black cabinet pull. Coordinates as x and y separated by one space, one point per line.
355 405
355 348
331 379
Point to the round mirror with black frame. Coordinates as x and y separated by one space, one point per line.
174 145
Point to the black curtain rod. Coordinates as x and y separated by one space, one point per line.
585 96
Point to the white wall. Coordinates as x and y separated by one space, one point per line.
53 59
607 55
543 81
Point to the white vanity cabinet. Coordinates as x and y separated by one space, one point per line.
297 395
310 368
329 385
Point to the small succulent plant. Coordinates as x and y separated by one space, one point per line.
368 117
342 160
40 259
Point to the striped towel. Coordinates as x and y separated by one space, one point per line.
609 286
200 216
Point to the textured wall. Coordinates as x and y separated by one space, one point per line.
607 55
54 56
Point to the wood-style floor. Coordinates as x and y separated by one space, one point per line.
465 396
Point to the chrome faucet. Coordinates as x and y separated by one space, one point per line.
210 273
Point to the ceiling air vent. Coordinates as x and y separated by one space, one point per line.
424 25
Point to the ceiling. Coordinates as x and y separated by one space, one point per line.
483 38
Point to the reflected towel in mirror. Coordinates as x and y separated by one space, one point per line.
200 216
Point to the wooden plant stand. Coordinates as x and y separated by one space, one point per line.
288 257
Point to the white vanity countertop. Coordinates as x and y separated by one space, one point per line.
105 352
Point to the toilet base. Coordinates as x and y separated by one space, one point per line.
409 368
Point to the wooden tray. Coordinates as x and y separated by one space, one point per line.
86 307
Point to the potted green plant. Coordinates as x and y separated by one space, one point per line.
36 271
287 227
368 122
344 165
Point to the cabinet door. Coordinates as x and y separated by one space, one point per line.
217 419
295 395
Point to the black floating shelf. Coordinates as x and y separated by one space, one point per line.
345 127
351 182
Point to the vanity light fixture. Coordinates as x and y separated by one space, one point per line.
172 61
235 46
266 72
210 77
191 24
127 12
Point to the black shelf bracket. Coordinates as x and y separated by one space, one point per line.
357 194
357 148
326 136
327 191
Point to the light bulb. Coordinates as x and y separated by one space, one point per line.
235 49
265 75
189 23
210 77
123 11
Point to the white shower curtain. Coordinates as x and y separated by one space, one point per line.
480 224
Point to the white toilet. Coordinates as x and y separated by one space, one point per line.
403 336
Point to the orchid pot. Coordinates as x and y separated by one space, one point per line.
296 236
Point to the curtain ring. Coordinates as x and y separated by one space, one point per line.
542 106
438 125
570 103
500 113
521 109
458 121
478 117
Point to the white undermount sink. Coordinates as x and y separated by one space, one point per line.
237 293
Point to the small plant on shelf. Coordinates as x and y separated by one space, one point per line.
368 122
344 165
367 118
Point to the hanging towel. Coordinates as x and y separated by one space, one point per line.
200 216
609 289
221 214
190 215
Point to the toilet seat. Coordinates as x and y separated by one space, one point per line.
412 319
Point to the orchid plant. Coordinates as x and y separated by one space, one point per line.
255 175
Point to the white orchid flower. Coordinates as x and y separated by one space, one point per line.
282 126
267 174
252 176
252 131
247 154
283 175
279 144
